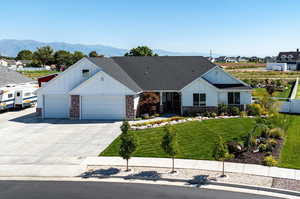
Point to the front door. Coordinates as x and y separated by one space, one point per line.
172 102
298 66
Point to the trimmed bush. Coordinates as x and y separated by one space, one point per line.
235 111
255 109
262 147
277 133
243 114
269 161
222 109
213 114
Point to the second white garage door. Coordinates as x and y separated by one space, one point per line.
103 107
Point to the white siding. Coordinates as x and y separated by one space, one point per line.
245 97
199 86
102 84
219 76
69 79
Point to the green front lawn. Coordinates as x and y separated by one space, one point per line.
196 139
290 154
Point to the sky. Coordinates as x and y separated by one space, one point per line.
227 27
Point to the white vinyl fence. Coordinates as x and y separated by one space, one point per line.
293 104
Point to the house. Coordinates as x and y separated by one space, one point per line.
292 59
8 76
3 62
111 88
43 80
24 62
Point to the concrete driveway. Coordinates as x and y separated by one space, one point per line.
25 139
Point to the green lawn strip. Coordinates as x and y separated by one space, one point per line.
290 154
196 139
37 74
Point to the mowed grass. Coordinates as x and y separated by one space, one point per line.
290 154
196 139
37 74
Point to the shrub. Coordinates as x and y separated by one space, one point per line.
235 111
243 114
269 161
265 132
213 114
262 147
277 133
255 109
206 114
272 142
222 109
234 147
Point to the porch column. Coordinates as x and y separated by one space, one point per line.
161 106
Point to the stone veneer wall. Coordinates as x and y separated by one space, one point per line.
198 109
129 99
38 112
75 107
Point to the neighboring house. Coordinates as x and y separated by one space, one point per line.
8 76
23 62
3 62
110 88
292 59
43 80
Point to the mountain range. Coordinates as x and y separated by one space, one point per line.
11 47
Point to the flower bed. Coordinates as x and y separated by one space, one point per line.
175 120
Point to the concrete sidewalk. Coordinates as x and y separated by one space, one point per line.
251 169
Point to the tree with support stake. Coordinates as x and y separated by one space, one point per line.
169 144
221 153
128 143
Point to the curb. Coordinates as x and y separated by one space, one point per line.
203 183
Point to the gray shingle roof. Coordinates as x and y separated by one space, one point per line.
155 73
8 76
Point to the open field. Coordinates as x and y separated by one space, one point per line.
241 65
265 74
261 91
36 74
196 139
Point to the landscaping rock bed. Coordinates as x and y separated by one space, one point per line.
174 120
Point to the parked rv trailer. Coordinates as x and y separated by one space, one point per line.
7 99
24 96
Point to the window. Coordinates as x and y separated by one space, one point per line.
18 94
10 95
85 72
234 98
199 99
27 94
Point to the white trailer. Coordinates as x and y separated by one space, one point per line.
7 99
25 95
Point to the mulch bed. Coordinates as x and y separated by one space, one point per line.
257 158
289 184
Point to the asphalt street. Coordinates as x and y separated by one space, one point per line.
105 190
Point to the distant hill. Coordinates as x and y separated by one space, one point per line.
11 47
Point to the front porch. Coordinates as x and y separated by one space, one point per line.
159 103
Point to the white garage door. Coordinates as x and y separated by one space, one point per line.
56 106
103 107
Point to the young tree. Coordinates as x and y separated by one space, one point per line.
141 51
221 153
169 144
44 55
128 143
93 54
62 58
77 55
24 55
